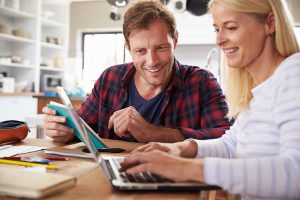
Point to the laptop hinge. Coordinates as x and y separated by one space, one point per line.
107 169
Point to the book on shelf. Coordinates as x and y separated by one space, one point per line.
34 185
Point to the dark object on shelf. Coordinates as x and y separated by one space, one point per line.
3 74
52 40
197 7
13 130
51 81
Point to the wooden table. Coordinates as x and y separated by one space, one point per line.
91 181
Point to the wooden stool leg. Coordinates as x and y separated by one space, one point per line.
212 195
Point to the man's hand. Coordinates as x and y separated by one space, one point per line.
129 122
54 128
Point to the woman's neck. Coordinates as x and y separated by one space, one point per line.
266 63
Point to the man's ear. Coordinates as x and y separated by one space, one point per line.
270 24
175 39
127 46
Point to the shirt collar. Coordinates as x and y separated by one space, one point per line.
178 79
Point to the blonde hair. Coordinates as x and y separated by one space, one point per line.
238 81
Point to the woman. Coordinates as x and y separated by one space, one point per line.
259 157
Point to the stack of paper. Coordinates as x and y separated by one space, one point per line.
73 150
9 150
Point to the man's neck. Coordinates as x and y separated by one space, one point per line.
145 90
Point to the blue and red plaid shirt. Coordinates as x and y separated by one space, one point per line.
194 102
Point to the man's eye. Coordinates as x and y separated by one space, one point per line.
232 28
217 30
162 48
139 51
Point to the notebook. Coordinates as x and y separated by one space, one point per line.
111 164
35 185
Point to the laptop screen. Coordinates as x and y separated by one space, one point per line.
78 123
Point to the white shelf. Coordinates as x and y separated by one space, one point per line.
28 17
52 46
54 69
16 65
51 23
6 11
13 38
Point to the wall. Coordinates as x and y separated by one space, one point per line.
295 7
89 15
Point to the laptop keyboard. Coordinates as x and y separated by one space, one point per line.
144 177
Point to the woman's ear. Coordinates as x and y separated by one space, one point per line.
270 24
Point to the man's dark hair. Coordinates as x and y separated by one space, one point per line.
140 14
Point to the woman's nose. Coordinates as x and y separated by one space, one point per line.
220 37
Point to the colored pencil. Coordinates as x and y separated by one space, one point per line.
27 164
47 158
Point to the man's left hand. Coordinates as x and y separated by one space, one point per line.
129 122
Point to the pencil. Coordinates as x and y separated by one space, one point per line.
27 164
57 158
48 158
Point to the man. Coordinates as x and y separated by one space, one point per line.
155 98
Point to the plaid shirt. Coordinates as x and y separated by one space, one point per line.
194 103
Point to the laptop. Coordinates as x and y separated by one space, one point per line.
111 164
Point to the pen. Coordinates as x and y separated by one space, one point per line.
27 164
47 158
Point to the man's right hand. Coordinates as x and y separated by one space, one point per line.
54 127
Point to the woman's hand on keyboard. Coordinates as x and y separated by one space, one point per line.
165 165
186 148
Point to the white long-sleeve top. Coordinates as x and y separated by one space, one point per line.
263 144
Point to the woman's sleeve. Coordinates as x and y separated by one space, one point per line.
223 147
274 176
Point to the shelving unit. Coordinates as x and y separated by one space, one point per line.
46 24
55 69
4 10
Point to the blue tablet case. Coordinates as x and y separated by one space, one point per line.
63 111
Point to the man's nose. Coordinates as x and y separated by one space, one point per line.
152 58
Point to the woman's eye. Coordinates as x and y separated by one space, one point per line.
216 30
